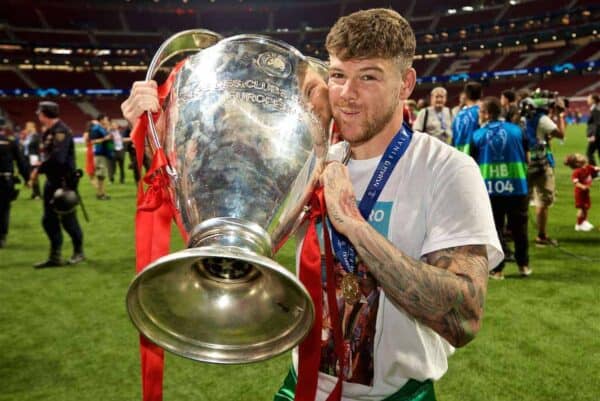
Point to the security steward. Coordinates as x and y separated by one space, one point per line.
9 155
58 164
500 149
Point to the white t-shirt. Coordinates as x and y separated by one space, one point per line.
545 127
434 199
438 124
117 139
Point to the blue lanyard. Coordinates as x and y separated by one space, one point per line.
440 117
343 249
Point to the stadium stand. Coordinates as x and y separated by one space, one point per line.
11 80
64 79
588 52
530 59
44 38
104 45
453 22
109 106
23 109
536 7
158 20
123 79
86 16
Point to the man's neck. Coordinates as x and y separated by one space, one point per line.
52 123
470 103
377 145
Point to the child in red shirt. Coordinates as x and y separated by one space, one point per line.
582 176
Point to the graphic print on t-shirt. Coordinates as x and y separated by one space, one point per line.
358 320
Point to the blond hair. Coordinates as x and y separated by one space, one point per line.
440 89
30 127
575 160
378 32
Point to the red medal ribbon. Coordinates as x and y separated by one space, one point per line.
334 316
309 351
155 211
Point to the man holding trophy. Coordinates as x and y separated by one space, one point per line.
410 222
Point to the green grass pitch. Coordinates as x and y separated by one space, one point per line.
65 334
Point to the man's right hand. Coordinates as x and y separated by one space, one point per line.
143 97
32 177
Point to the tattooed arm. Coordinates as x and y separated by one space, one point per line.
445 290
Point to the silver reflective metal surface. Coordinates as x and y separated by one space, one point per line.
320 66
192 40
245 152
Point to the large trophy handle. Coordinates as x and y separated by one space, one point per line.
320 66
192 40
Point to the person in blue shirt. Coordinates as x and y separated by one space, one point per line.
467 119
100 139
500 150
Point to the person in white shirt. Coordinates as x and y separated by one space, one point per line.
416 288
436 119
119 156
420 253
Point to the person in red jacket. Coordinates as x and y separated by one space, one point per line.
90 167
582 176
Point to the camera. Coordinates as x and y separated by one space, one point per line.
543 101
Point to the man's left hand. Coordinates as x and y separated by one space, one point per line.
340 199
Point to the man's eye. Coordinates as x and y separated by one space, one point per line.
367 77
336 75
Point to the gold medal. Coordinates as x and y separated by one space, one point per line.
351 289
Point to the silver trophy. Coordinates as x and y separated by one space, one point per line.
244 154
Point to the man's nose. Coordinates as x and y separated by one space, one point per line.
348 90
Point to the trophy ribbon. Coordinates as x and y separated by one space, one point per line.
309 353
155 211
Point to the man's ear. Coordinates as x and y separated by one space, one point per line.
409 81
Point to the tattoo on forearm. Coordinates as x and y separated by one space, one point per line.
348 204
446 290
340 197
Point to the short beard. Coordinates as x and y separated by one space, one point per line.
372 128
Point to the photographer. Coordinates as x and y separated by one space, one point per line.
540 129
9 154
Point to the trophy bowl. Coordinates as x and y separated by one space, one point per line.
244 151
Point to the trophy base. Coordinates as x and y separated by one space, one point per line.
230 233
220 303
